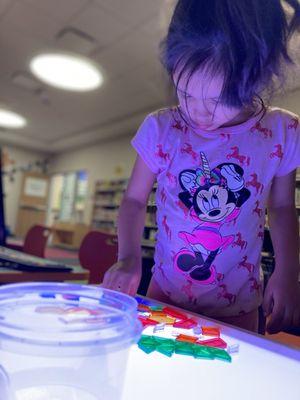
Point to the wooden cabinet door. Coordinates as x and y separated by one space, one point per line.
33 202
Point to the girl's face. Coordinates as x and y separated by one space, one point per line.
199 101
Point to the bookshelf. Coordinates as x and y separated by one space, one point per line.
107 199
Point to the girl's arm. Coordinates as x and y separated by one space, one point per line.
125 275
282 294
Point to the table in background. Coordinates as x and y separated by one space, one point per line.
27 261
12 276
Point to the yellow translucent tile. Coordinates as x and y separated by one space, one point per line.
163 320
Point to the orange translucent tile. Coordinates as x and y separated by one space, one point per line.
186 338
143 307
210 331
158 314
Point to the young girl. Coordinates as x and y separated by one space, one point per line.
219 158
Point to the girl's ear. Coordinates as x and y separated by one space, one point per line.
188 181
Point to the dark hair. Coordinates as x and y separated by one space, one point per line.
244 40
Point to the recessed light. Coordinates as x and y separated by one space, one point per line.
9 119
67 71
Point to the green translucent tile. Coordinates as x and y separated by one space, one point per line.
202 352
166 350
184 348
220 354
147 340
164 341
147 348
156 308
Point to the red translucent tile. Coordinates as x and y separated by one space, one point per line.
187 324
174 313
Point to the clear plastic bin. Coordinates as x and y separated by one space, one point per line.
64 342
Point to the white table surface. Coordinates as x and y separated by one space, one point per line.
263 369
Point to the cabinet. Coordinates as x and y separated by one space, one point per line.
32 202
68 235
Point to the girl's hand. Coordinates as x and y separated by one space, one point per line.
282 303
235 181
124 276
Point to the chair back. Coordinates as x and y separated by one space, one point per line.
98 252
36 240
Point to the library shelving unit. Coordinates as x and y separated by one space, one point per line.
107 199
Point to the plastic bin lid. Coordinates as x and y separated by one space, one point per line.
67 315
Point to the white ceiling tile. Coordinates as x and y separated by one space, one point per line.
74 40
137 47
16 49
114 61
5 4
61 10
132 11
31 21
100 24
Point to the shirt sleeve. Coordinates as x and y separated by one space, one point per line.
149 142
291 148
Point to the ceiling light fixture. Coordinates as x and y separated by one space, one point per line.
67 71
11 120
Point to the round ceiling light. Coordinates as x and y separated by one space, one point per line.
9 119
67 71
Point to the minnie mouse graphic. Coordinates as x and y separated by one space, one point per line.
214 197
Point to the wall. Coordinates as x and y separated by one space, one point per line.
14 160
106 160
101 159
290 101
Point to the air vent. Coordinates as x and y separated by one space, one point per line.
25 81
74 40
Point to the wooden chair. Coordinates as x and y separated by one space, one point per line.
98 252
35 241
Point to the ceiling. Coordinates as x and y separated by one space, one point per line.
122 36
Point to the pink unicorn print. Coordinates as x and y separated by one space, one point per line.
225 137
187 289
255 285
261 233
243 160
257 210
223 293
189 150
255 183
267 132
240 242
278 153
294 123
163 196
245 264
161 154
166 226
179 126
172 179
